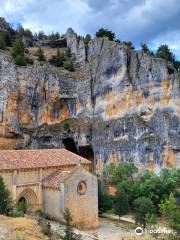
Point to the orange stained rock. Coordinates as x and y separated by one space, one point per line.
100 164
112 158
110 97
138 97
169 159
151 166
78 107
112 191
165 87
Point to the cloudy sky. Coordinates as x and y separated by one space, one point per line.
150 21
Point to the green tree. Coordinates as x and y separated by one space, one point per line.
5 199
2 43
58 59
102 32
171 211
145 48
129 44
87 39
20 60
54 36
40 54
164 52
104 200
69 66
131 190
143 206
121 205
41 35
18 48
117 173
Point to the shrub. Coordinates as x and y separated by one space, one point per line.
58 59
40 213
29 60
66 126
46 228
69 66
20 60
105 33
143 206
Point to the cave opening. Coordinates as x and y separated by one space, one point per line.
84 151
87 152
70 145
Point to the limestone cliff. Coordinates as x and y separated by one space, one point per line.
119 104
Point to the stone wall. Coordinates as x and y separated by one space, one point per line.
84 207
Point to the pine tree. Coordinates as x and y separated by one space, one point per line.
58 59
121 203
18 48
40 54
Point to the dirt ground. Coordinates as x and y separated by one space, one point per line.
24 228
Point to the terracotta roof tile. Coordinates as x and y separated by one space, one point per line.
23 159
53 180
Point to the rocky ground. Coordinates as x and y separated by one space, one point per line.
108 230
27 229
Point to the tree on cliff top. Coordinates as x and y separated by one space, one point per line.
5 200
105 33
164 52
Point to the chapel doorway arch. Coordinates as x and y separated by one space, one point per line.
29 197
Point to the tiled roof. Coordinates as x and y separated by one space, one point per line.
53 180
43 158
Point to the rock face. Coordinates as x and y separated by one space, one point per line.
3 24
119 105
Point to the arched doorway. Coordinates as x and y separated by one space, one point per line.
28 197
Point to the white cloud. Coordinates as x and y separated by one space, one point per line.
150 21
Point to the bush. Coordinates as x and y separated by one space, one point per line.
142 207
58 59
105 33
20 60
40 213
29 60
46 228
69 66
66 126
